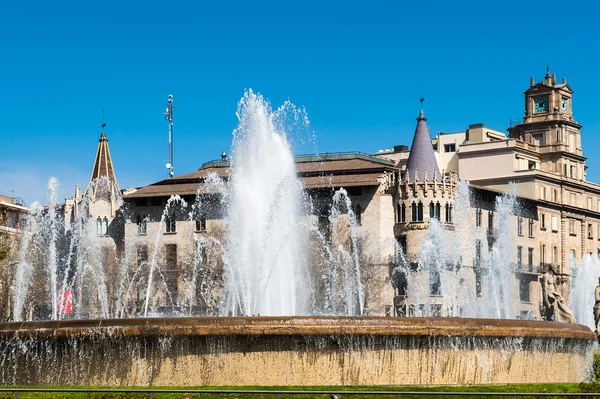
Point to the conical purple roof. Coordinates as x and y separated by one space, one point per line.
421 156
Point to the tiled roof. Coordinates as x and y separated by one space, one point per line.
422 158
166 190
201 174
315 171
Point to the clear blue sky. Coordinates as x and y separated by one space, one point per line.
355 66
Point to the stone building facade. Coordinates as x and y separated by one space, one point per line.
13 218
395 195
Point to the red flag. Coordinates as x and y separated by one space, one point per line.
65 302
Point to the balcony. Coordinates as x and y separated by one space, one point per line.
530 270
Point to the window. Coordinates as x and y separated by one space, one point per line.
438 211
450 147
477 253
572 227
555 195
141 225
572 253
531 165
573 199
434 283
524 290
572 171
105 226
543 254
431 210
478 215
554 224
420 212
491 223
519 258
554 254
142 256
357 216
542 192
538 139
530 259
543 221
520 226
170 224
413 211
403 213
530 228
590 232
201 223
589 203
99 226
448 213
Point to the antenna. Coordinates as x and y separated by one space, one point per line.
103 124
169 117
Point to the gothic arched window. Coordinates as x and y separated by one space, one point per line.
413 211
431 210
420 212
438 211
99 226
105 226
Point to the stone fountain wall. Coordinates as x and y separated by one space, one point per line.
292 351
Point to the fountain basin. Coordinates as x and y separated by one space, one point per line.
292 351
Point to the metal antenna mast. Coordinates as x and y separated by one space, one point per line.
169 116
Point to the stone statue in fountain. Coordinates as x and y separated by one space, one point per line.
554 303
597 307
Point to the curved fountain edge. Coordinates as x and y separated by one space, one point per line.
297 325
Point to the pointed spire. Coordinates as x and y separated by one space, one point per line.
103 180
421 161
77 192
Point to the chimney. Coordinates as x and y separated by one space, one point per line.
553 79
531 82
564 81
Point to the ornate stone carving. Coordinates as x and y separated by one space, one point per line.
387 183
597 307
554 303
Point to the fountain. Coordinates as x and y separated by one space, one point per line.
291 296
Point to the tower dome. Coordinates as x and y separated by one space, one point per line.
421 161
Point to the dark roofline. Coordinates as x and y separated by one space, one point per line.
304 158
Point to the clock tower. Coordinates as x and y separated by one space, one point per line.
549 126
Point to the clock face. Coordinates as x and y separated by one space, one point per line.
564 104
541 104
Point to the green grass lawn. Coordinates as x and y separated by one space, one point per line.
525 388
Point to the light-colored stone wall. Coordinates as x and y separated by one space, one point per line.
298 351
